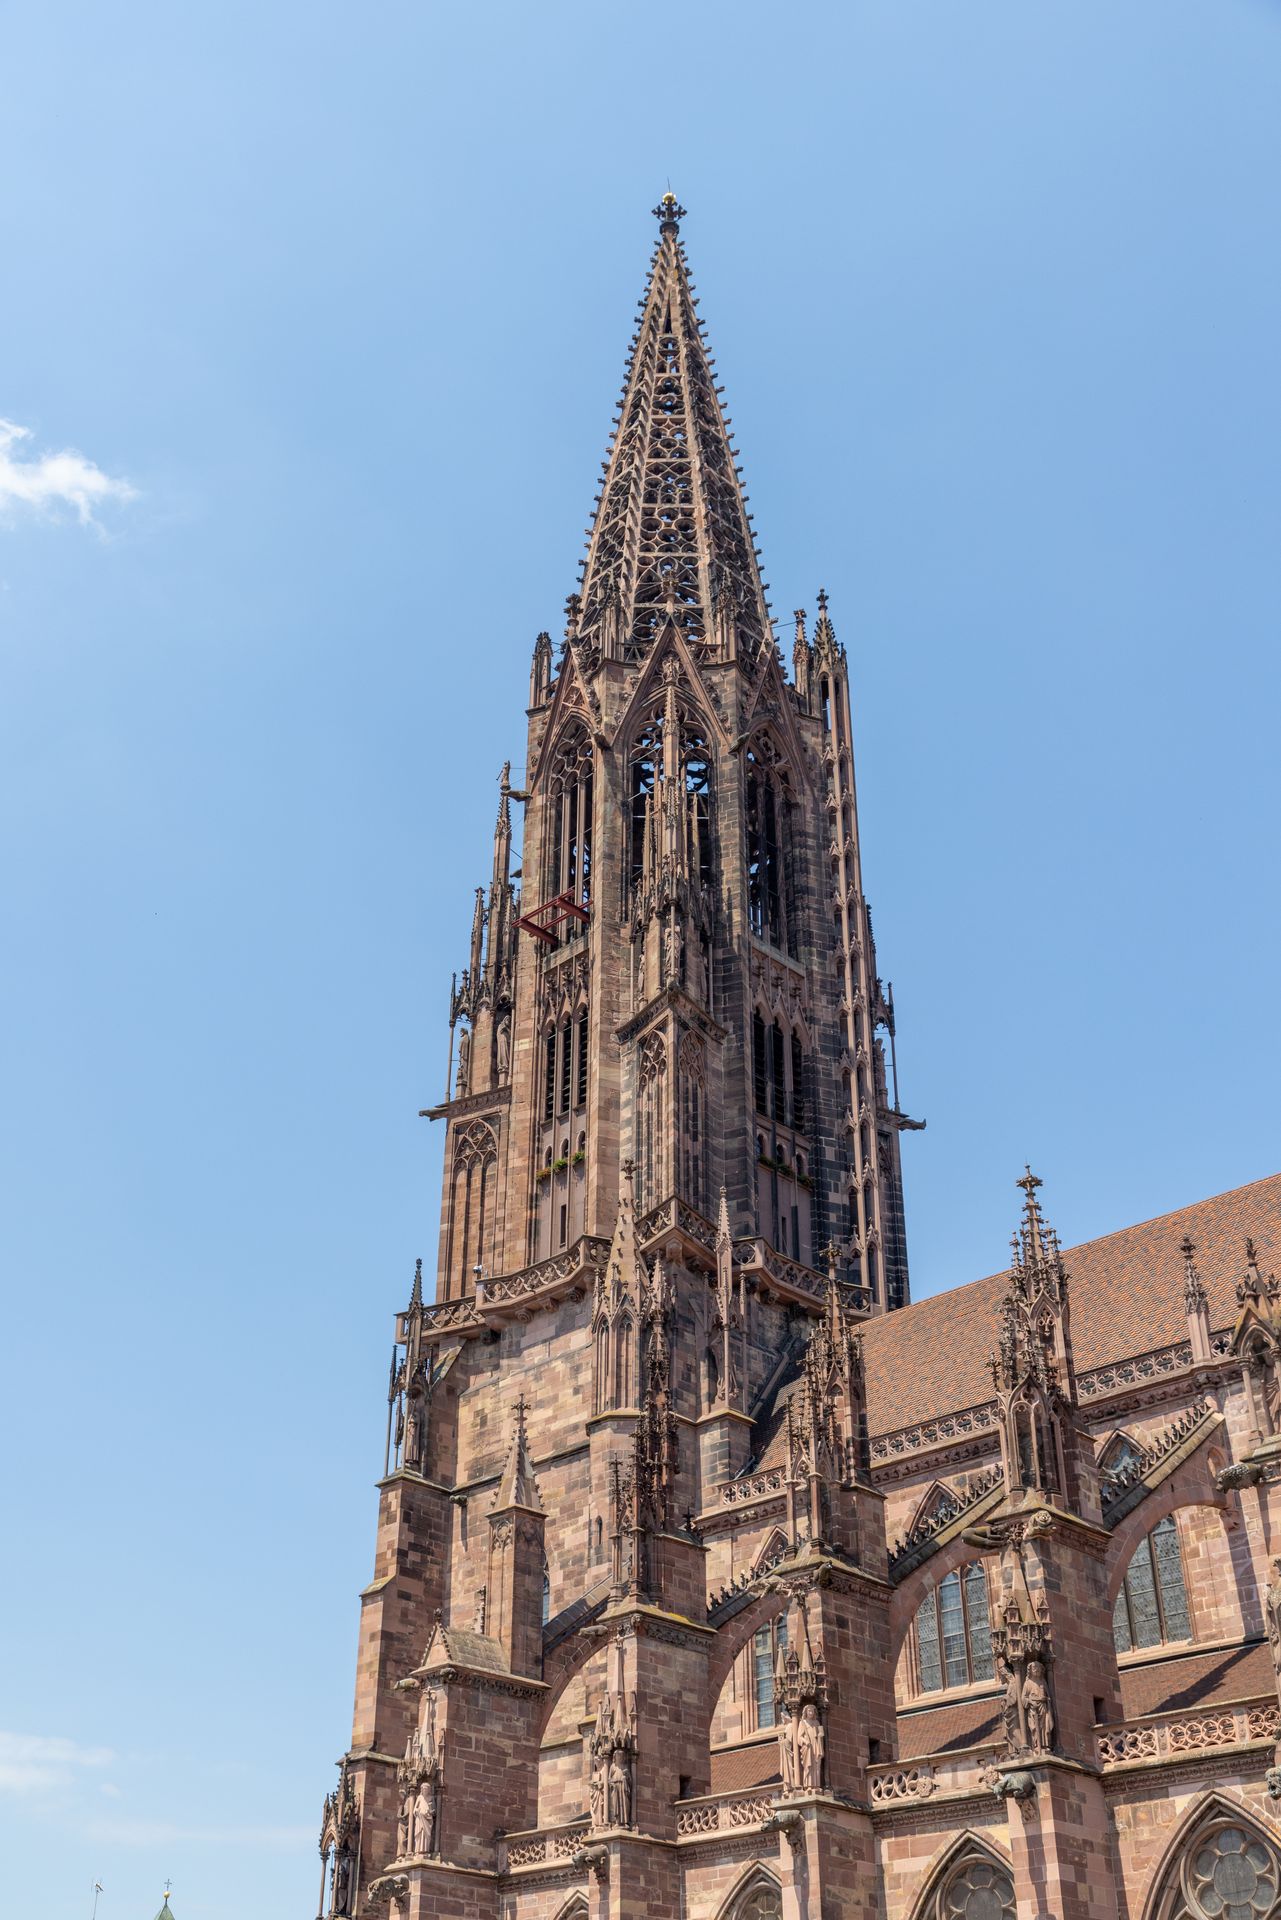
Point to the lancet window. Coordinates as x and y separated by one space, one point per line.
471 1217
651 1121
953 1632
565 1065
767 1642
646 771
569 842
559 1185
645 797
1152 1605
768 832
693 1120
778 1072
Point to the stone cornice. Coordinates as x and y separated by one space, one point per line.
642 1617
487 1679
468 1105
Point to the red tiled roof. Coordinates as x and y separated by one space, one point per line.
1197 1680
965 1723
1126 1294
735 1768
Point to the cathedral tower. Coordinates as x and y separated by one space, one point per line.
672 1182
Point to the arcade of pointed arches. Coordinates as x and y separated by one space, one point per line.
474 1170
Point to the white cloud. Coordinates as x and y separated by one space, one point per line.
40 1763
44 483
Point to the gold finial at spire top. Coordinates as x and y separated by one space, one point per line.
669 213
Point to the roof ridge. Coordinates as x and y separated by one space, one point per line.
1156 1218
1096 1240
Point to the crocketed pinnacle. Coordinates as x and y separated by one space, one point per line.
671 539
518 1487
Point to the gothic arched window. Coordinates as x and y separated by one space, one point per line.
1228 1870
768 808
471 1212
766 1644
693 1116
760 1899
646 767
569 845
1152 1605
953 1632
697 767
651 1121
979 1888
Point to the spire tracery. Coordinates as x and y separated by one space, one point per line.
671 539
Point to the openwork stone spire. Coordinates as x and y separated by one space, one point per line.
671 538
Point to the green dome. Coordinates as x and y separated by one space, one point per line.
165 1912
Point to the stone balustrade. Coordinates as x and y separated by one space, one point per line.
1165 1736
724 1812
890 1786
543 1846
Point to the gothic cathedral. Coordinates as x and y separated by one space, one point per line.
714 1580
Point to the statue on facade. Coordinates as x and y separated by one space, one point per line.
424 1823
810 1743
1038 1716
504 1046
787 1755
342 1881
620 1789
1272 1615
463 1080
1011 1720
671 953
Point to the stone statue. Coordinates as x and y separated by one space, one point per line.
1037 1715
342 1881
464 1063
672 952
787 1755
414 1434
403 1824
504 1047
809 1750
424 1833
1011 1720
620 1790
599 1790
1272 1614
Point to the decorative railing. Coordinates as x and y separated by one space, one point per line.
537 1849
586 1256
735 1493
722 1813
807 1283
933 1433
1118 1483
1157 1364
1133 1372
676 1215
889 1785
450 1313
1188 1733
944 1514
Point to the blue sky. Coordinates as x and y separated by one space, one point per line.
331 304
